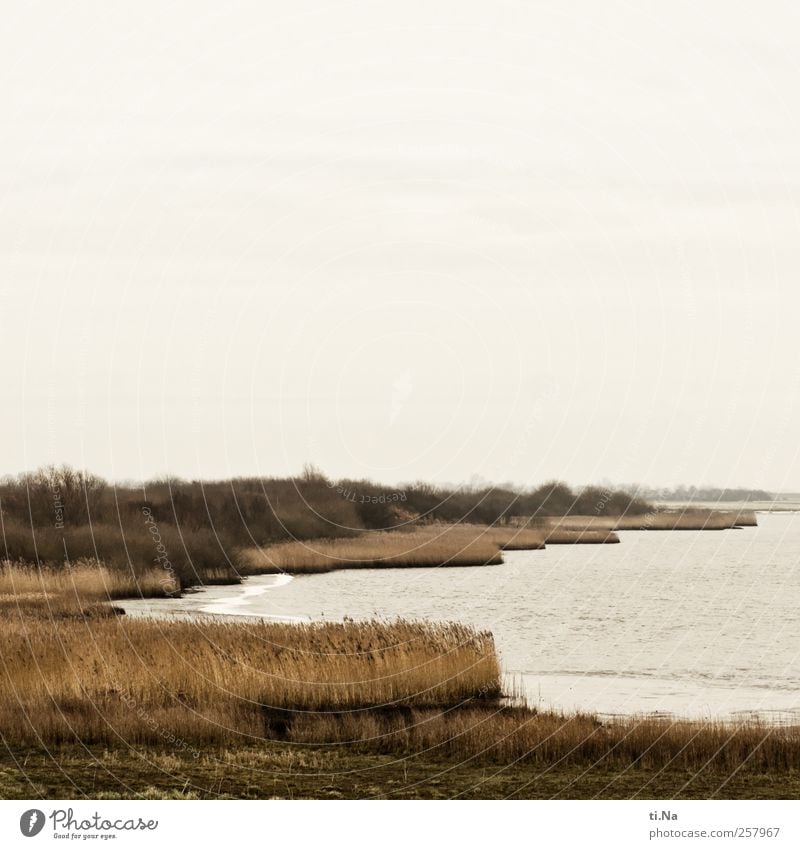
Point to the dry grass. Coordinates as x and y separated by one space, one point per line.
509 538
434 545
428 545
661 520
745 518
571 536
678 520
396 688
577 523
68 672
506 735
74 589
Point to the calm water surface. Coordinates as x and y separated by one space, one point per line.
687 623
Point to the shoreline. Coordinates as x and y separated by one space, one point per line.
545 690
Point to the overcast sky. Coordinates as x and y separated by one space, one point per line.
402 240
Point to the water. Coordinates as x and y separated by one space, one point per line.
697 624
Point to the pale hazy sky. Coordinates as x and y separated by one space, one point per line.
402 240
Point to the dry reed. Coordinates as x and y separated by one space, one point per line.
570 536
433 545
74 589
95 678
660 520
506 735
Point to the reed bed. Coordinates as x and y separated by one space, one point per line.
75 589
677 520
511 538
660 520
212 680
576 523
745 518
396 688
569 530
570 536
428 545
434 545
507 735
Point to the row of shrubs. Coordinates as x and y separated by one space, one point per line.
196 528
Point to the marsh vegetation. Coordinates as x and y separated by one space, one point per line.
75 673
206 532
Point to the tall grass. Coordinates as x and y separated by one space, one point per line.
427 545
510 734
745 518
677 520
396 688
690 519
434 545
589 536
74 590
92 680
511 538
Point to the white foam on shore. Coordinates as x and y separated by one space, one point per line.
240 604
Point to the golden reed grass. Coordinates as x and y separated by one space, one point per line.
570 536
76 588
661 520
78 677
509 734
429 545
399 688
433 545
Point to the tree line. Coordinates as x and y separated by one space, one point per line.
58 514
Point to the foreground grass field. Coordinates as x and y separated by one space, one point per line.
283 771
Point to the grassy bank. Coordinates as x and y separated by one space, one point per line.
81 589
427 545
71 674
286 771
657 520
431 546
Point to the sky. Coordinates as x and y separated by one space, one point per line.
450 241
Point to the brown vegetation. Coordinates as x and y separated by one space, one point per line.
656 520
745 518
78 589
426 545
677 520
507 734
194 529
67 675
568 536
433 545
382 688
510 538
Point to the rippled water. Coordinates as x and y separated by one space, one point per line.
688 623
